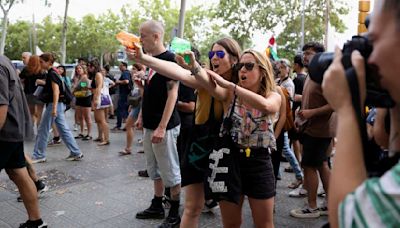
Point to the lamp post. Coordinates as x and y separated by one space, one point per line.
302 24
327 11
181 23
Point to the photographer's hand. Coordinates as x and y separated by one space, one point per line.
349 171
335 78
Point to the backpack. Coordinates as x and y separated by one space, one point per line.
289 123
65 93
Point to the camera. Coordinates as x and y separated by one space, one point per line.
376 95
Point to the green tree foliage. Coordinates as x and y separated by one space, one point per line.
94 36
17 39
244 17
5 6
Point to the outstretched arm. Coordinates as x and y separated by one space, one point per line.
166 68
270 103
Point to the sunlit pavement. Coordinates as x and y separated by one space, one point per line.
104 190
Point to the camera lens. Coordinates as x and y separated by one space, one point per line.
319 64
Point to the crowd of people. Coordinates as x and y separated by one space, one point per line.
221 131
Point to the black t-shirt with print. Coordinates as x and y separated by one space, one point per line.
155 97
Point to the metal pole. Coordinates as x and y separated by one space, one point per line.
34 38
326 23
302 24
181 24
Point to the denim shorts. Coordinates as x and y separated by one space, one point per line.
135 112
162 158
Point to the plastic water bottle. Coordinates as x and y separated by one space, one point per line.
180 46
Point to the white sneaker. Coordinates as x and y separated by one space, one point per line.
305 212
298 192
38 160
323 208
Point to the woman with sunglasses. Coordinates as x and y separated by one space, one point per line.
223 55
254 103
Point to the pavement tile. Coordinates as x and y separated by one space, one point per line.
107 192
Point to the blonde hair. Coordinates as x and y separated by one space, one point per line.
267 83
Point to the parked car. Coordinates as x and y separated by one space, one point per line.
18 64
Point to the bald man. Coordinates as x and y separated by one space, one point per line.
161 126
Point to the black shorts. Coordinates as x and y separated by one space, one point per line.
12 155
193 173
84 102
294 134
257 175
195 159
314 150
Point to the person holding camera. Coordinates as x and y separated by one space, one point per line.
355 200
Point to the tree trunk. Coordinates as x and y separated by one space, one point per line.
64 35
4 25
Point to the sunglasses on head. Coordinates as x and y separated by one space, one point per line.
220 54
248 66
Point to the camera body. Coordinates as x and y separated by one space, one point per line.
376 95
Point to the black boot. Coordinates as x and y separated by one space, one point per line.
155 211
173 219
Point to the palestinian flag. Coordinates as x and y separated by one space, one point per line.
271 50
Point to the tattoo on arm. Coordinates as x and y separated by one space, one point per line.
170 85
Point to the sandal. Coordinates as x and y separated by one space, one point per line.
104 143
295 184
125 152
80 136
98 140
87 138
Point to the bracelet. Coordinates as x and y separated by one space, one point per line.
195 70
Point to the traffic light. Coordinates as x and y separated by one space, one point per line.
363 8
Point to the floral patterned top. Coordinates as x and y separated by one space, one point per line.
252 128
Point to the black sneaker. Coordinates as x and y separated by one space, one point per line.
41 189
33 224
153 212
143 173
170 222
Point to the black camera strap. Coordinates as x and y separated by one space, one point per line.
352 80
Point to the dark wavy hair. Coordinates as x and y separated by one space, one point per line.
234 51
315 46
64 74
48 57
95 63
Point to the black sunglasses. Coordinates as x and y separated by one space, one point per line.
220 54
249 66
